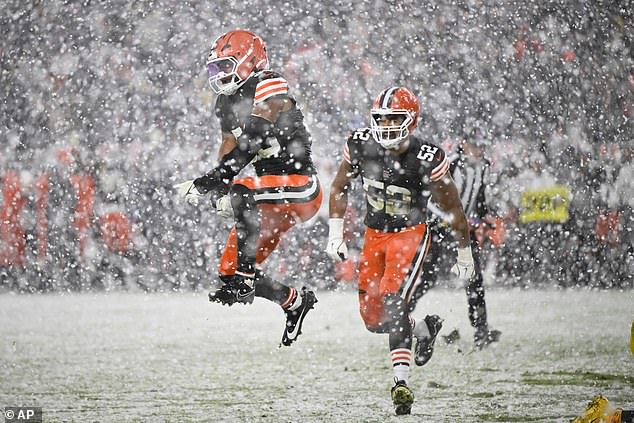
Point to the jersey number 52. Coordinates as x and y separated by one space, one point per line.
427 152
396 200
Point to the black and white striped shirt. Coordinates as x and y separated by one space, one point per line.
471 179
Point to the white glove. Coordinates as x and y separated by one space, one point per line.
336 249
223 206
464 267
188 190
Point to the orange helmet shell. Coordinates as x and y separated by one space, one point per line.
247 48
394 101
399 99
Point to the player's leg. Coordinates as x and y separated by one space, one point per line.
274 224
431 264
406 254
276 221
297 200
400 343
477 309
475 289
378 312
283 201
371 268
397 284
257 232
237 264
294 303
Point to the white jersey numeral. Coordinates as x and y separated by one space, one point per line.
394 199
427 152
273 150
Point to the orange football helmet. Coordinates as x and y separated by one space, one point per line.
235 56
394 104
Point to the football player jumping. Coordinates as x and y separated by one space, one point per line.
261 125
399 172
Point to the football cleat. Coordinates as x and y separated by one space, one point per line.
295 318
594 412
236 289
402 398
483 337
425 345
453 337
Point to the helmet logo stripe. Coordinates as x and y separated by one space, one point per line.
387 98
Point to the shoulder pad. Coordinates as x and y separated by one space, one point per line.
267 74
433 158
269 84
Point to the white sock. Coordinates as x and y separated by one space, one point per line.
419 328
296 302
401 359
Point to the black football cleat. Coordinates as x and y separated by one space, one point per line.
425 345
483 337
236 289
295 318
402 398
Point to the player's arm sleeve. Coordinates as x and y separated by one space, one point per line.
270 88
440 166
338 201
256 130
445 194
350 157
346 154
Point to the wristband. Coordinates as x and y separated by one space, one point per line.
335 228
464 255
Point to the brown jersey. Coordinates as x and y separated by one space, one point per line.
288 150
396 186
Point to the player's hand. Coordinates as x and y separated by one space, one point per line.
336 248
188 190
223 206
464 268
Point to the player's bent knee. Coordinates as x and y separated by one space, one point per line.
372 318
376 328
395 308
241 196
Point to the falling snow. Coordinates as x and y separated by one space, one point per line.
104 106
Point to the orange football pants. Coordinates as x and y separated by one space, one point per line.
283 201
391 263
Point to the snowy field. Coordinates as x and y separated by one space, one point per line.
154 358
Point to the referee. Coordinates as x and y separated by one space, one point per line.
470 171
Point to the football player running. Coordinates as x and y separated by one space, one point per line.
261 125
399 172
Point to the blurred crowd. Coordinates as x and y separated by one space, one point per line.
105 108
